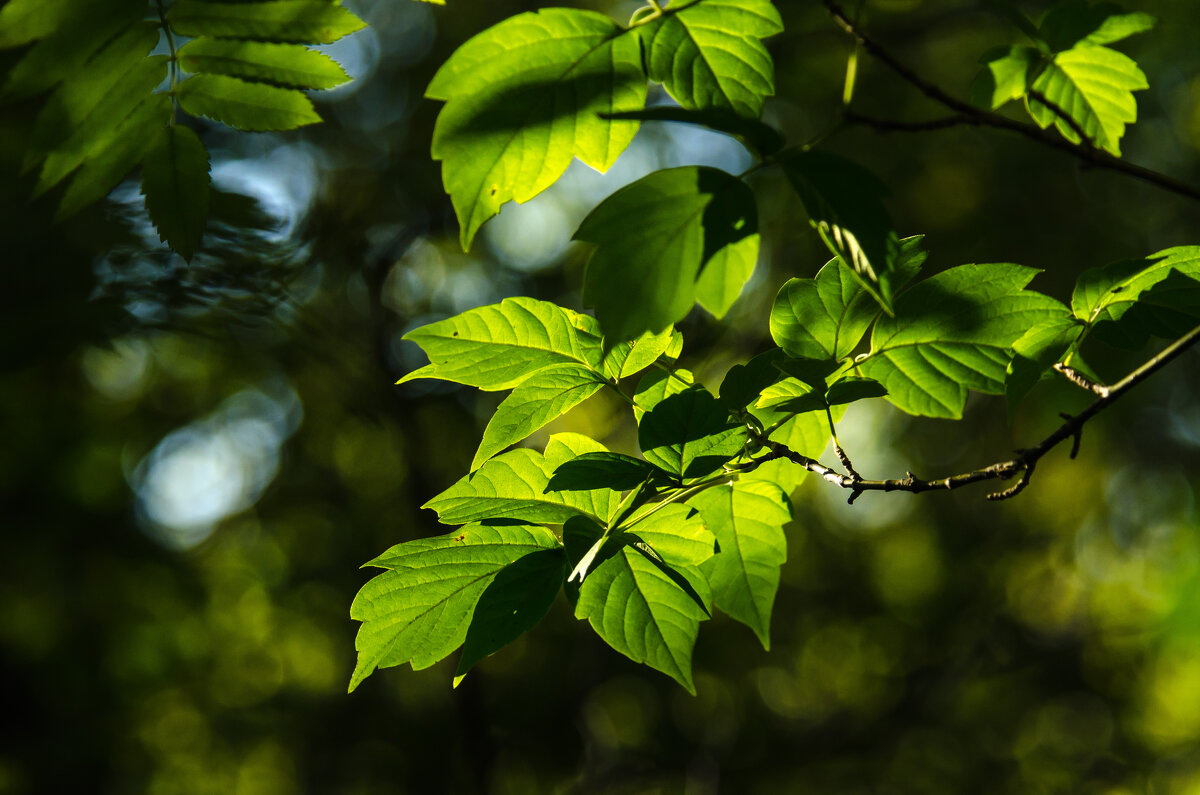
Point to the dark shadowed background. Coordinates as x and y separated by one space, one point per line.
196 459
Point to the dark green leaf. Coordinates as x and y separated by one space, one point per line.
845 204
657 385
689 434
1076 21
175 183
1034 353
743 383
614 471
851 389
760 138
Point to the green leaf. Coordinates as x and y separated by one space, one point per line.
303 21
807 434
517 599
638 608
761 139
844 202
1108 293
851 389
1034 353
63 52
175 182
102 171
652 239
1163 300
523 98
500 345
418 611
68 110
514 486
822 318
689 434
254 107
632 356
743 383
537 400
952 333
287 64
1003 76
710 55
23 21
1094 86
615 471
657 385
1075 21
747 518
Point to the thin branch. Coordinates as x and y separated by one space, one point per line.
1023 463
1062 114
982 118
1080 380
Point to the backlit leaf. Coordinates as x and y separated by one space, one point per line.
710 55
419 611
287 64
245 105
656 237
523 98
689 434
304 21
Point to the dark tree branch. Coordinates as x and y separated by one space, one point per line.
970 115
1023 463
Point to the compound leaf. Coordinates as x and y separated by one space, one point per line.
523 98
419 610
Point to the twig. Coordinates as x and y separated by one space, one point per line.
1062 114
1080 380
1023 463
971 115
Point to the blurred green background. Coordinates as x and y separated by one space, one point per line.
196 460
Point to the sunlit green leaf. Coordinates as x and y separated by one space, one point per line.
952 333
1094 86
175 182
743 383
632 356
419 611
1003 76
657 385
638 608
245 105
523 98
537 400
747 518
710 55
513 486
304 21
23 21
500 345
655 237
286 64
1034 352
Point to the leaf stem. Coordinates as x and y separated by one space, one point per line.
174 63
